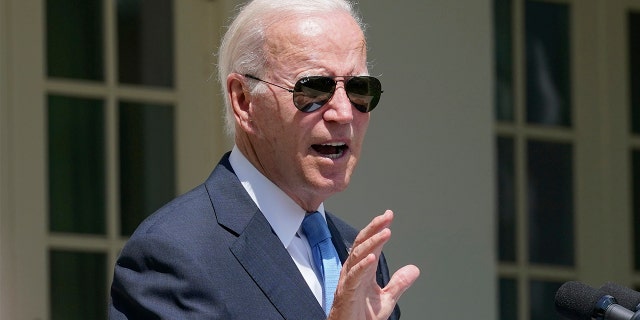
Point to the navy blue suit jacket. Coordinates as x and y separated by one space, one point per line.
211 254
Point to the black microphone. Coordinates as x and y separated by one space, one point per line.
577 301
626 297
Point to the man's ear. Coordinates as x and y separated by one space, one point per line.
240 98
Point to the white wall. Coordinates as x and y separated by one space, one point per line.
428 154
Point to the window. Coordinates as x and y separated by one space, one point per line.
105 137
567 148
535 155
87 110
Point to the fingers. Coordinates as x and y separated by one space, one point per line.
370 244
364 257
362 261
376 225
358 272
358 295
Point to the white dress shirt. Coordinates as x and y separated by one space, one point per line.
284 215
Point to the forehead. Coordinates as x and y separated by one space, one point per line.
334 42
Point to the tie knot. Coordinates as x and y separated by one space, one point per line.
315 228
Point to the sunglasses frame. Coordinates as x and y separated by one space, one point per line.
316 105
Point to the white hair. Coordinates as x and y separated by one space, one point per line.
242 47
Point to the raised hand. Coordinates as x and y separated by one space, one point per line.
358 295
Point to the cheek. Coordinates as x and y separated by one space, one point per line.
268 120
282 135
360 127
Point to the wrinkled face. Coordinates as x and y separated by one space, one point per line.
309 155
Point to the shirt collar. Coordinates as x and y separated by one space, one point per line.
284 215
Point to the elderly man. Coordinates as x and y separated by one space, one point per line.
254 241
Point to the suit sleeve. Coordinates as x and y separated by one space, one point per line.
155 277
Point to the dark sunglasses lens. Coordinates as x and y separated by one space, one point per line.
364 92
311 93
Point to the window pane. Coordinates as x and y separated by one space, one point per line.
548 65
542 296
76 165
634 63
147 164
74 39
508 299
145 42
635 192
504 60
550 203
78 285
506 200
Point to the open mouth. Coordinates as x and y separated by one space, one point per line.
331 150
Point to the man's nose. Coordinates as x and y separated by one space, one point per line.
340 108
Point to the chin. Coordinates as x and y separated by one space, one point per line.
330 179
333 185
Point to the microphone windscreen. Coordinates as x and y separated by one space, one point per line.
576 301
625 296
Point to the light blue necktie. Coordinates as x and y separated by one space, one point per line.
325 256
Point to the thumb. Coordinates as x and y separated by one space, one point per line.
402 280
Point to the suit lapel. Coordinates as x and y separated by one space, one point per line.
261 253
342 246
258 248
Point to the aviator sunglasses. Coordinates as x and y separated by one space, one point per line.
311 93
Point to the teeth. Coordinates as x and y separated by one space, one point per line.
335 156
331 150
